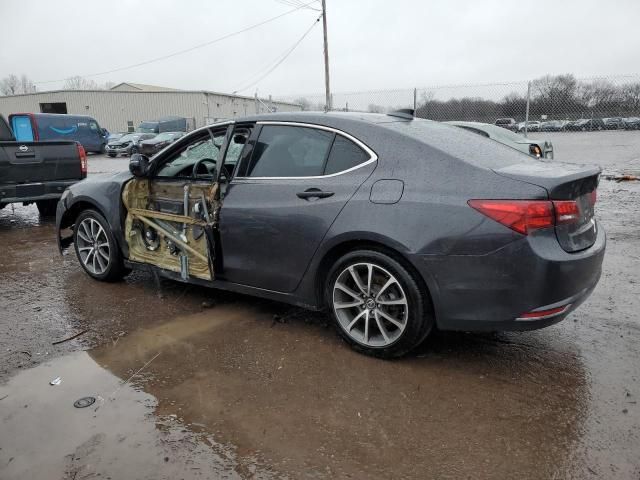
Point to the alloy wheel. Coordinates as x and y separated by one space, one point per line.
370 304
93 246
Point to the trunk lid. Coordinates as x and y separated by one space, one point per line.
576 183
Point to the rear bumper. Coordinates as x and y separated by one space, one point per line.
32 192
493 291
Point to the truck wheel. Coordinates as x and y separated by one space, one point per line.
47 208
377 305
96 247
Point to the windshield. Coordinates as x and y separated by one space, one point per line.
165 136
129 138
148 127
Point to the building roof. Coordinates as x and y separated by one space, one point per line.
141 87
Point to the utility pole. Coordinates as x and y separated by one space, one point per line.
526 116
326 57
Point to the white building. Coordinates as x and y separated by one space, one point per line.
124 106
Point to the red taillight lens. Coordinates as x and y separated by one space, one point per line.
524 216
540 314
83 160
566 212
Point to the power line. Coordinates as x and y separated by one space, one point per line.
298 3
186 50
279 61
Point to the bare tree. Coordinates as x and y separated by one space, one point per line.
630 97
14 85
80 83
304 103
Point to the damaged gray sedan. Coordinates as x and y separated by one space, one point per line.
392 224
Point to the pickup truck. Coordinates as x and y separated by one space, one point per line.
38 172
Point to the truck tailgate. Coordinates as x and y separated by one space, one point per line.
32 162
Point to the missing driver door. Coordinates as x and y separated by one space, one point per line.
172 211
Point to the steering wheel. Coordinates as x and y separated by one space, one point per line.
200 164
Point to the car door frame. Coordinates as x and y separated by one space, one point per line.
166 156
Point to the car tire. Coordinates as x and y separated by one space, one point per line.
399 316
47 208
96 247
133 151
112 155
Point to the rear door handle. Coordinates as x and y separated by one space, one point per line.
313 193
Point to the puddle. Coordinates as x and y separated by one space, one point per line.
44 436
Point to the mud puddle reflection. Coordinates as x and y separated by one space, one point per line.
292 397
43 436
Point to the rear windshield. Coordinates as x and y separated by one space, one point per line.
460 143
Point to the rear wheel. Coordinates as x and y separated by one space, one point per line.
47 208
377 305
96 247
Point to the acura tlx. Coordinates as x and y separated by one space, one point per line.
393 225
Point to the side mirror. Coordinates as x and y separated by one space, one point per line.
138 165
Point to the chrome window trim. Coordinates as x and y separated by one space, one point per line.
373 157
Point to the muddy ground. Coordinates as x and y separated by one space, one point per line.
196 383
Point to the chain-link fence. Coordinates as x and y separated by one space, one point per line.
549 103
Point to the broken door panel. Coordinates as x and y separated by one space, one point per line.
169 224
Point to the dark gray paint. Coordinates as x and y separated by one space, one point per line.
479 273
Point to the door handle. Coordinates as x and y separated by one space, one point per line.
313 193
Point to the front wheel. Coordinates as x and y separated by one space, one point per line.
47 208
377 305
96 247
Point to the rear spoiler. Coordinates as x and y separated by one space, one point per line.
6 135
562 181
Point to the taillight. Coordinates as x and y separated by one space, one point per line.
535 150
566 212
525 216
83 160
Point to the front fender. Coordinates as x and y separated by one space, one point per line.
101 193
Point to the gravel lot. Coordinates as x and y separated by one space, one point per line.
227 386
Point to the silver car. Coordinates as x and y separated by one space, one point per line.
127 144
534 147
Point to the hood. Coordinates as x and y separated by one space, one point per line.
153 141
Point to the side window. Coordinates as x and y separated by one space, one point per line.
203 150
93 126
286 151
344 155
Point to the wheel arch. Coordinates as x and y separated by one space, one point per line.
390 248
73 212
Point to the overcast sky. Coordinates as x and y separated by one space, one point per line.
377 44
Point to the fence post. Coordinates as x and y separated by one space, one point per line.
415 101
526 117
255 99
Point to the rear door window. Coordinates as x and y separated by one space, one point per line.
287 151
344 155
